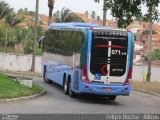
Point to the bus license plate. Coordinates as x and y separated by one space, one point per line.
106 89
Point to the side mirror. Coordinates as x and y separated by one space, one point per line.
41 41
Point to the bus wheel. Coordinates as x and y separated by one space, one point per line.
66 86
112 97
71 93
44 76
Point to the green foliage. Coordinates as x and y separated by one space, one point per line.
65 15
13 38
23 11
12 19
155 55
87 14
39 51
25 36
93 15
11 89
4 9
126 11
98 18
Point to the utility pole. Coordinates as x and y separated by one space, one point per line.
104 13
35 36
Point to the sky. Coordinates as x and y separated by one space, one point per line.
75 5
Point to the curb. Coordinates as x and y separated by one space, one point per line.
144 91
21 74
25 97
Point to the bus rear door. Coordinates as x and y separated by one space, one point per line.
109 59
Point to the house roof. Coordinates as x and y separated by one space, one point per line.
44 18
137 42
109 23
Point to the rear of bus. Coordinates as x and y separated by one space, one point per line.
109 63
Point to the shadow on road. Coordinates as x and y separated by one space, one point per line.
82 98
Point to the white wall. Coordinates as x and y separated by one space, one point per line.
12 62
138 47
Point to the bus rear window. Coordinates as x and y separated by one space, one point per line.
109 52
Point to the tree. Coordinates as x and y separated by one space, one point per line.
12 21
23 11
98 18
50 6
106 6
8 18
66 15
93 15
87 14
126 11
155 54
4 9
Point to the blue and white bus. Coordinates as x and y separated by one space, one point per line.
88 58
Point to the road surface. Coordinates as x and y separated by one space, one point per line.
55 101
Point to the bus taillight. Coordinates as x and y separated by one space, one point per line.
84 74
130 73
129 76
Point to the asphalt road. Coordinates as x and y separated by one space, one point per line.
55 101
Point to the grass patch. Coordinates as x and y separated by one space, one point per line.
147 86
11 89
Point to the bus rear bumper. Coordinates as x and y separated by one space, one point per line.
105 89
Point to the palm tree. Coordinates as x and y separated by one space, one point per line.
4 9
50 6
66 15
8 17
87 14
93 15
106 6
11 20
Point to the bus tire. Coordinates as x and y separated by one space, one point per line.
112 97
44 76
66 86
71 93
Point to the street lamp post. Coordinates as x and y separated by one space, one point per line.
35 36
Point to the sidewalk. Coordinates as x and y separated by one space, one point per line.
148 87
